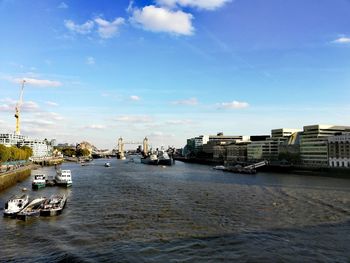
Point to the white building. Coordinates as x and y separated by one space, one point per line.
314 143
339 150
41 148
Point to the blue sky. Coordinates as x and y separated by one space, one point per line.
173 69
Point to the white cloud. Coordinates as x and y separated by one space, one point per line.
90 61
81 29
49 115
38 82
159 19
233 105
9 105
342 40
51 103
135 98
62 5
179 122
134 118
95 127
108 29
190 102
201 4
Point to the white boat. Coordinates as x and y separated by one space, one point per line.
53 206
63 177
15 205
39 181
107 164
32 209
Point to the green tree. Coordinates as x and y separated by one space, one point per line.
5 153
83 152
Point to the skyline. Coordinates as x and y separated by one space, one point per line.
172 69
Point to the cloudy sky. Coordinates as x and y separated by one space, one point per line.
172 69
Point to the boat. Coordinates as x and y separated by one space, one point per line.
39 181
107 164
53 206
63 178
220 167
150 159
15 205
32 209
164 158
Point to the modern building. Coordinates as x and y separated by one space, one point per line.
339 150
10 139
314 143
237 152
41 148
269 148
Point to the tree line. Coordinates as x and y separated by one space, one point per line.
14 153
75 152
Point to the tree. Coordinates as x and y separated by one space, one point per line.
5 153
83 152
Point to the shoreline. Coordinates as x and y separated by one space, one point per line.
10 178
297 170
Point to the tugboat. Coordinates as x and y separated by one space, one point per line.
15 205
64 178
53 206
33 209
39 181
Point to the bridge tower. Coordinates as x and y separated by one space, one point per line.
120 153
145 146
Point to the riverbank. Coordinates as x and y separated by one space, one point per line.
11 177
290 169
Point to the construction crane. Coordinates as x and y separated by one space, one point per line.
18 109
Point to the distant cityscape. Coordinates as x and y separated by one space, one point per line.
313 146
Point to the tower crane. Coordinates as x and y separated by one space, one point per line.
18 109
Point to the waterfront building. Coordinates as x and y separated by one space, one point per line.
237 152
314 143
10 139
339 150
269 148
41 148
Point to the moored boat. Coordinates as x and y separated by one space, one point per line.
63 177
39 181
32 209
53 206
150 159
15 205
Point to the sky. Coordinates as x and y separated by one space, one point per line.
172 69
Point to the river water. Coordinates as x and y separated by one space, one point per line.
131 212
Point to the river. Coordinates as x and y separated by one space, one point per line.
131 212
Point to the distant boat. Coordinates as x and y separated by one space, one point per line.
15 205
53 206
150 159
107 164
39 181
64 178
157 158
32 209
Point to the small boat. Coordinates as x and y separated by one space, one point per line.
39 181
32 209
220 167
107 164
53 206
15 205
63 177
